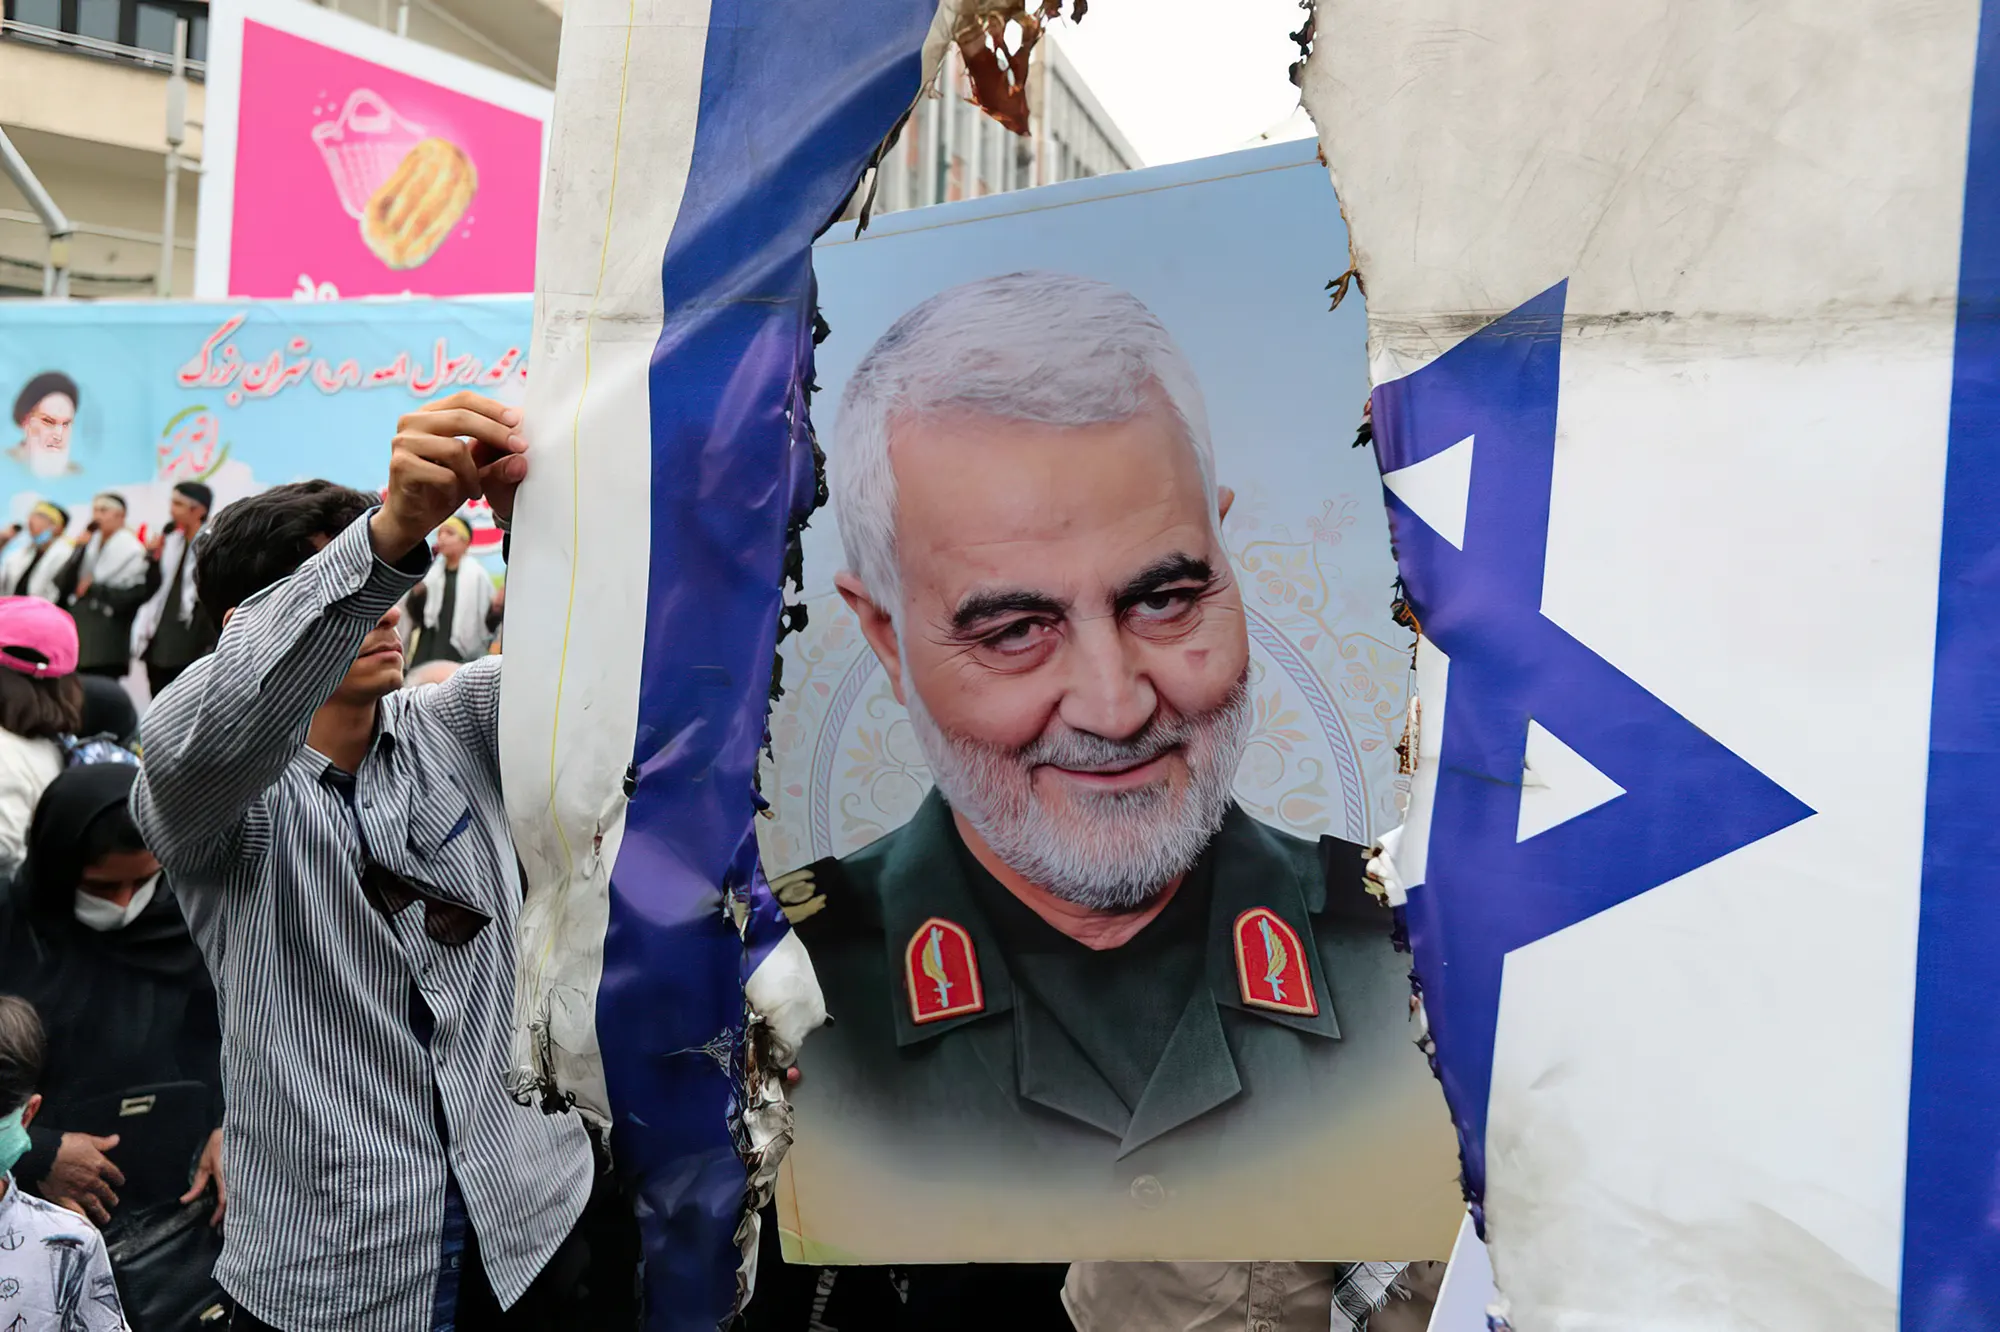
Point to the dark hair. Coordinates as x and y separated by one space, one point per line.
107 710
23 1047
40 709
47 382
258 541
113 832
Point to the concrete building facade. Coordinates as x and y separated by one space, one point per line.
951 150
84 97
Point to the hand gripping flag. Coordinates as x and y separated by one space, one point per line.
698 147
1685 327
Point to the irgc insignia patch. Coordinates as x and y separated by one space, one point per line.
798 894
1271 964
941 972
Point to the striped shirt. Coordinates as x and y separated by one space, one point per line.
343 1121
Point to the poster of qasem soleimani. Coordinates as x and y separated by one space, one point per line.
1098 699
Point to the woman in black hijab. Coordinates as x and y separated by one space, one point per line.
92 936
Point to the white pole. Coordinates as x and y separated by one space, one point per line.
176 135
948 114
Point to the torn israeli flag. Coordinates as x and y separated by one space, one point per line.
1685 326
698 147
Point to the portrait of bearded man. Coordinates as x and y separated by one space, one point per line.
1080 968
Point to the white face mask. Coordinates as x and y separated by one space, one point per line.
104 915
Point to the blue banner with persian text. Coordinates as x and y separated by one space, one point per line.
133 398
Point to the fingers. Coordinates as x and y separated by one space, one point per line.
108 1171
445 454
221 1199
465 400
429 457
460 424
509 470
201 1178
92 1200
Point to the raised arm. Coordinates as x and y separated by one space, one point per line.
228 727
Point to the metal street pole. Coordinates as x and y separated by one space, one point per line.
55 272
177 86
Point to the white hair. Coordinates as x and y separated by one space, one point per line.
1049 348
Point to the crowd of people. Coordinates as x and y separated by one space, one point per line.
138 902
135 603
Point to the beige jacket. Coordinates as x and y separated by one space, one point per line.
1233 1297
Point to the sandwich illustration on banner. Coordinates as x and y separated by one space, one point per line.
407 188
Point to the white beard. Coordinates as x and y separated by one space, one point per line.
1116 850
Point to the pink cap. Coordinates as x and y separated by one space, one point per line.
37 638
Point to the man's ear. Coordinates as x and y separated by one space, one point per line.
226 617
1224 497
876 626
28 1111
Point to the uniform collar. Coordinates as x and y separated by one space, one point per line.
1254 869
924 876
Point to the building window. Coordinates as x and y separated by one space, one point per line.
146 25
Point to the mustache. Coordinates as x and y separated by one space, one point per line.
1083 750
1164 733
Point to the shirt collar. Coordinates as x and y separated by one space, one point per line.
315 766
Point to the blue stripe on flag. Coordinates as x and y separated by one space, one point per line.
794 95
1951 1219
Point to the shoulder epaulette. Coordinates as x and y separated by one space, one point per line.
801 894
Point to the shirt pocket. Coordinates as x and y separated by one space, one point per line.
449 850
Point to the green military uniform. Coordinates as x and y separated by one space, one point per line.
1139 1068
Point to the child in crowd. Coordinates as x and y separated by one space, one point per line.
54 1275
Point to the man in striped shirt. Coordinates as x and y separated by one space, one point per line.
343 856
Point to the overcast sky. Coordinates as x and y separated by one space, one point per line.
1186 78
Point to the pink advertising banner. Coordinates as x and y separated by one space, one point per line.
352 176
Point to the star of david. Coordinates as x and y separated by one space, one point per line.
1663 797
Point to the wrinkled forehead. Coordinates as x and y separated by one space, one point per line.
56 407
984 501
